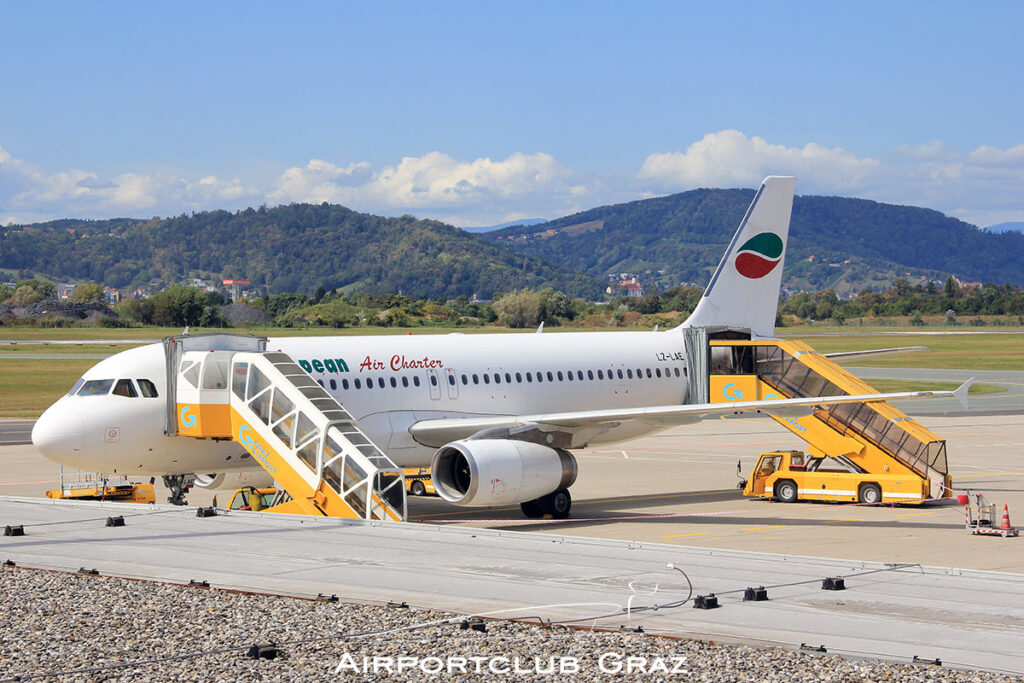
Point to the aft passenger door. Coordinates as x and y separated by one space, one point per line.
434 383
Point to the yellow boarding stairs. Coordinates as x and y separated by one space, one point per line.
868 438
290 426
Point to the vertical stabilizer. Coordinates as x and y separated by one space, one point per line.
744 291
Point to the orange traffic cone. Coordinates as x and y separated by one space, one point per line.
1006 518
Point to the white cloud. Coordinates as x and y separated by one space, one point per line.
982 186
729 158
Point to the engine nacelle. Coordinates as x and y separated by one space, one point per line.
481 472
221 481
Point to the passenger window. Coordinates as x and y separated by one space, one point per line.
465 380
657 371
487 378
629 373
600 374
148 389
416 380
476 379
620 373
451 380
529 377
78 385
405 381
394 383
508 378
380 382
551 377
569 375
519 378
358 384
344 384
96 387
649 374
124 388
560 378
590 375
334 385
540 376
369 383
320 382
433 380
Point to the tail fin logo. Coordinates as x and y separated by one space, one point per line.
759 255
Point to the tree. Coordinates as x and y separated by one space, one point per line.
178 305
518 309
89 292
24 296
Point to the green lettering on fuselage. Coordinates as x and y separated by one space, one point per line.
334 365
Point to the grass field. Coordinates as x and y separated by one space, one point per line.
29 386
995 351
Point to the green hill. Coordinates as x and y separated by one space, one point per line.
293 248
835 242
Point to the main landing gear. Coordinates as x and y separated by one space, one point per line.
555 505
179 484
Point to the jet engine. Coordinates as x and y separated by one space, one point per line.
481 472
221 481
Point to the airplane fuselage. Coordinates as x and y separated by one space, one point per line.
387 383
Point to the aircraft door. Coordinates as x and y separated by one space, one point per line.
453 383
434 383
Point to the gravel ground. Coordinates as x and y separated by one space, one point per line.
57 621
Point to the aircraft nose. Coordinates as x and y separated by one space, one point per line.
58 433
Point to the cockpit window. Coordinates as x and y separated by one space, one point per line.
74 389
147 388
96 387
124 387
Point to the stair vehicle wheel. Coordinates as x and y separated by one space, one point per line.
531 509
786 491
417 488
556 504
870 493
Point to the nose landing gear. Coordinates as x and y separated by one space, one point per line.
179 484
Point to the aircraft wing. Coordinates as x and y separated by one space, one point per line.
873 353
590 423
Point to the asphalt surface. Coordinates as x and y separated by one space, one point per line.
16 432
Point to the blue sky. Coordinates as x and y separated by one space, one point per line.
478 113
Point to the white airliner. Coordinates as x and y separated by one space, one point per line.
476 408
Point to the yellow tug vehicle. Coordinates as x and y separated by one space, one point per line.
788 476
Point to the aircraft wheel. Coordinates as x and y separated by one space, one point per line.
870 493
786 491
556 504
417 488
531 509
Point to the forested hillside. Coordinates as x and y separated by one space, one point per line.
294 248
835 242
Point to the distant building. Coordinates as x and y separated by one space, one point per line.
66 292
235 288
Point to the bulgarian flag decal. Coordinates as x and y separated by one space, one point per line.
759 255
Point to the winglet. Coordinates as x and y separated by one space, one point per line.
961 392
